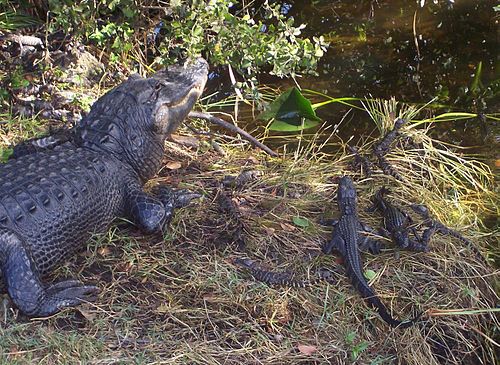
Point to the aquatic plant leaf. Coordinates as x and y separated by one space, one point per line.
281 126
476 84
291 112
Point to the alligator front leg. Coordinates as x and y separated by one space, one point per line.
337 243
365 242
421 244
25 287
152 212
46 143
402 239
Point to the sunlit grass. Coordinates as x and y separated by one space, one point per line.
178 298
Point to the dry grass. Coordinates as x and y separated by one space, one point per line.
179 299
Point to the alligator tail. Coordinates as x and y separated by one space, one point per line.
382 311
369 295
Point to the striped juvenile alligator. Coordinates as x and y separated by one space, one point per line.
347 240
380 150
281 278
383 147
435 226
398 225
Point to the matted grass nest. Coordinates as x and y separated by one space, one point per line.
180 299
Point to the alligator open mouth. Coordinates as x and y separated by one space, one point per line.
179 88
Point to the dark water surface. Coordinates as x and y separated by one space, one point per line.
373 51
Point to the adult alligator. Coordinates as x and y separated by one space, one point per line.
54 197
347 240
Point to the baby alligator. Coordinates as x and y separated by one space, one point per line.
348 240
438 227
397 224
279 278
382 148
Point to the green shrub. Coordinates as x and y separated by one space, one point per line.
215 28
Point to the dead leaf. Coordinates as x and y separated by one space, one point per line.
253 160
173 165
104 251
287 227
269 231
187 141
497 163
210 298
87 314
307 349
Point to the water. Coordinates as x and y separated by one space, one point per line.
398 48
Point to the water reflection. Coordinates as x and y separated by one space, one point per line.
405 50
387 48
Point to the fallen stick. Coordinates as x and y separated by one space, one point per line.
233 128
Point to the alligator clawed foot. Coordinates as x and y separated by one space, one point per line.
372 246
64 294
174 198
327 222
183 197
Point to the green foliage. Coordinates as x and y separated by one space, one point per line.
262 41
356 349
291 111
107 22
12 20
300 221
16 80
370 274
82 16
247 44
5 154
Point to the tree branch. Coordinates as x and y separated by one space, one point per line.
233 128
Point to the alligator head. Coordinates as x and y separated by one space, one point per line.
132 120
346 196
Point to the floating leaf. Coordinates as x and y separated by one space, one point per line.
291 112
370 274
300 221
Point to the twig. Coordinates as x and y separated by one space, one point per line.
233 128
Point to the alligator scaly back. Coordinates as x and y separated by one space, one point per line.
347 240
60 189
